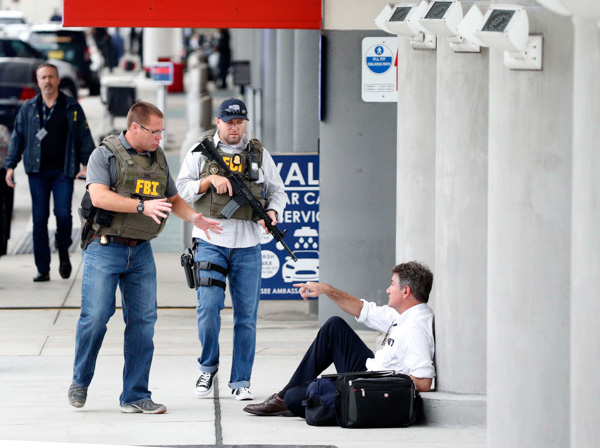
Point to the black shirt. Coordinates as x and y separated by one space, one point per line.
54 144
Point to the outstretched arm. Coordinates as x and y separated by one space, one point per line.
182 210
347 302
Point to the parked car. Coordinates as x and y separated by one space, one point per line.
17 85
73 45
12 47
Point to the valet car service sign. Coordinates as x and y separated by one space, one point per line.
300 174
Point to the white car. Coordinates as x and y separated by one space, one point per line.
306 269
9 17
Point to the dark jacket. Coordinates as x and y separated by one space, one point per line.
24 143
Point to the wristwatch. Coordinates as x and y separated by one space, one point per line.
140 206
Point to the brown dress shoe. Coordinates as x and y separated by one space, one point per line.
271 406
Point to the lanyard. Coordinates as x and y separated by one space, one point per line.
47 113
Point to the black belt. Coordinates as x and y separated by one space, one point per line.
131 242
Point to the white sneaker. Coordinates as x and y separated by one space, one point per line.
242 393
204 385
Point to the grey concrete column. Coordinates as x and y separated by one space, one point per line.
162 43
529 231
358 172
269 97
461 219
585 252
242 44
306 91
257 63
415 186
284 90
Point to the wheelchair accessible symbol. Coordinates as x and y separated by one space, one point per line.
379 59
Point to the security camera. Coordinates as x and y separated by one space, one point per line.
504 27
403 20
442 18
467 42
382 17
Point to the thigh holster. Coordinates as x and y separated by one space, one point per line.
207 281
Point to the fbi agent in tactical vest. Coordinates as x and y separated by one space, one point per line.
130 195
209 178
247 163
139 176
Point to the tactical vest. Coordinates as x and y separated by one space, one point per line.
141 176
212 203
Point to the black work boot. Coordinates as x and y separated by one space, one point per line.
65 264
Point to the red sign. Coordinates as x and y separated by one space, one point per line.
281 14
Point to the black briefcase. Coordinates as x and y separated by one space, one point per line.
375 400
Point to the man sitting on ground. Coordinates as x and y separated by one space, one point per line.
407 347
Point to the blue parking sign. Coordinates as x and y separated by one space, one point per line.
300 174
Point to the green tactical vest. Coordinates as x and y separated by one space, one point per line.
212 203
137 175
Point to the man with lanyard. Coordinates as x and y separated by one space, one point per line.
407 347
130 185
236 252
52 135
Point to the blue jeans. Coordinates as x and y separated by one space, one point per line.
41 185
133 269
244 268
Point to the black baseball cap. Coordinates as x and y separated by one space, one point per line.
231 109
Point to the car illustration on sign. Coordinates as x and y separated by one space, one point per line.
306 269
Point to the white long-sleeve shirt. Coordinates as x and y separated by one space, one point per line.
408 347
237 233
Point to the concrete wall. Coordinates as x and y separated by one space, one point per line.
358 160
284 91
306 97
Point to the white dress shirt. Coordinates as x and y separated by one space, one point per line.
408 346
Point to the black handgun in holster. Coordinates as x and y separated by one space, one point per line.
187 261
87 213
192 270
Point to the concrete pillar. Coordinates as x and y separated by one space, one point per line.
415 164
529 231
242 45
585 252
162 43
257 63
269 97
284 91
461 219
306 91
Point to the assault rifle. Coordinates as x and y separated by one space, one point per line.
241 194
